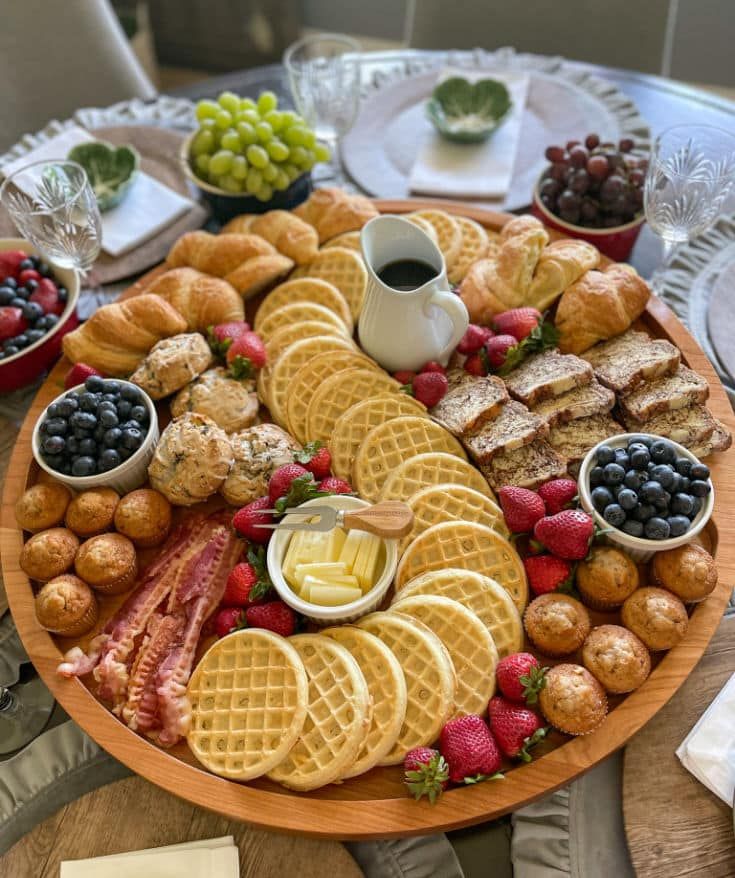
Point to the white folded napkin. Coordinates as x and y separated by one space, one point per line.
708 751
471 170
148 207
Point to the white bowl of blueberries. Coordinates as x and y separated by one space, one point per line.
646 492
102 432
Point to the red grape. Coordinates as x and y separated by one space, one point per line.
554 153
597 167
569 200
612 187
570 216
589 211
626 144
579 181
591 141
636 177
550 187
578 156
559 171
572 143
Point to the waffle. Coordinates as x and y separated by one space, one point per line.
429 674
387 687
287 335
474 244
448 502
313 290
422 224
341 391
470 546
354 424
448 233
468 642
337 716
299 312
432 468
261 385
344 269
348 240
248 704
388 445
488 600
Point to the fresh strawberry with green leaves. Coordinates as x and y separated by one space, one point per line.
404 376
520 677
78 374
558 494
274 616
290 486
425 773
315 457
497 349
333 485
516 728
228 619
221 336
246 355
477 364
432 366
547 573
567 534
12 322
247 519
518 322
248 582
521 508
474 338
428 388
470 750
281 478
542 337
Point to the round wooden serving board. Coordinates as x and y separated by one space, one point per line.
376 805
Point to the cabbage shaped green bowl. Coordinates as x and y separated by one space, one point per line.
468 112
111 169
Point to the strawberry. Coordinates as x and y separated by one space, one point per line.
567 534
425 773
542 336
516 728
548 573
315 457
28 274
430 388
333 485
246 519
12 322
432 366
248 582
477 363
474 338
227 619
497 349
246 355
470 749
274 616
78 374
47 296
520 677
221 336
10 261
558 494
281 478
404 376
518 322
521 508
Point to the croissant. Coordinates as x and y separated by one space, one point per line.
560 264
332 211
203 301
290 235
118 336
600 305
475 291
521 225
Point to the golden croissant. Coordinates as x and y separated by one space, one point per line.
559 265
290 235
202 300
333 211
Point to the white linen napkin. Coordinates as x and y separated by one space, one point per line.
708 751
471 170
148 207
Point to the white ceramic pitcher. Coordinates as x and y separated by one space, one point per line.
403 329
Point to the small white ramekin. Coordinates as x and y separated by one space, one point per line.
638 548
131 473
345 612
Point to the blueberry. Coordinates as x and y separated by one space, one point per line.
112 387
662 503
684 484
31 286
123 409
614 514
53 444
643 512
26 263
10 282
627 499
632 527
63 294
72 445
110 397
51 320
651 491
596 476
88 402
132 438
634 479
34 334
10 349
80 433
699 488
601 497
605 455
613 474
639 456
662 452
7 294
697 507
32 311
105 406
112 437
21 341
129 425
682 504
664 475
109 418
130 393
83 421
139 413
65 467
56 427
640 439
18 302
657 528
53 410
98 433
84 466
87 446
55 461
621 458
94 384
683 466
109 459
699 471
67 406
678 525
124 453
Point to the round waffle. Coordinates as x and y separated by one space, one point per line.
287 335
432 468
341 391
348 240
387 687
344 269
354 424
422 224
337 716
473 247
388 445
449 502
489 601
470 546
248 704
469 644
448 233
300 312
430 679
304 289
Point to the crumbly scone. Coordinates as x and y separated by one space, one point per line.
575 438
629 360
469 402
172 363
92 512
606 578
616 658
668 393
49 553
547 374
514 427
144 516
108 563
42 506
572 700
230 402
657 616
582 402
67 606
257 452
689 572
556 624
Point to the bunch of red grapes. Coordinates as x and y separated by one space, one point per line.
593 184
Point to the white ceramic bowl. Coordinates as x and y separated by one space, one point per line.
345 612
124 478
638 548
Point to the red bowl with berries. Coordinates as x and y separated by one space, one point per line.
38 306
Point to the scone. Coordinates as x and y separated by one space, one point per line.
42 506
191 461
230 402
606 578
143 516
572 700
556 624
689 572
655 615
617 658
66 606
257 453
108 563
92 512
49 553
172 363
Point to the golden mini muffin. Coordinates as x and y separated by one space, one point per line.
689 572
91 512
616 657
572 700
42 506
606 578
108 563
556 624
49 553
144 516
66 606
655 615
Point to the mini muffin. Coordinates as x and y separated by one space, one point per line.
655 615
42 506
49 553
617 658
606 578
66 606
572 700
144 516
91 512
556 624
108 563
689 572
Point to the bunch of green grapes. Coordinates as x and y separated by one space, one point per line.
251 146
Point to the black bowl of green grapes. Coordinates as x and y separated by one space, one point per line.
247 156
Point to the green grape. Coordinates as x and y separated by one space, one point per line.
223 120
309 139
267 101
253 181
277 150
240 167
298 156
207 125
229 101
295 136
264 132
221 162
252 116
265 193
230 140
247 104
201 163
309 161
202 143
257 156
246 133
289 118
206 110
230 184
322 153
282 180
270 172
292 171
275 119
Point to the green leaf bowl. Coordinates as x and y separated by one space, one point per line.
468 112
111 169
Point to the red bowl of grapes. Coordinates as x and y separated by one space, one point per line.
594 190
38 306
